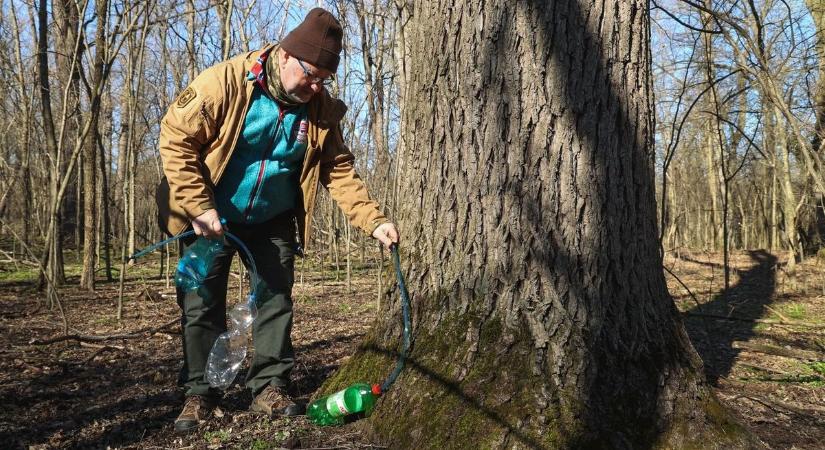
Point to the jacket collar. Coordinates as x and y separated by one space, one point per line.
323 109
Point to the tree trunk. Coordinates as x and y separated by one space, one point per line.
372 55
190 43
225 9
105 194
712 144
53 249
87 277
788 197
541 317
25 96
817 9
66 24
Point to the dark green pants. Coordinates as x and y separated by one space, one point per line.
272 245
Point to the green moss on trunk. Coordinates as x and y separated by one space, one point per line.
471 380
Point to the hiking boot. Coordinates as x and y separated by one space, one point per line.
195 410
276 401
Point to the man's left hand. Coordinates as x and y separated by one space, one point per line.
387 234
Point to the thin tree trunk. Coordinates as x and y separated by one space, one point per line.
87 277
225 9
190 43
25 170
788 200
106 198
51 258
817 9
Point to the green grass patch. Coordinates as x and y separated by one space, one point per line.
260 444
794 311
23 274
817 367
277 438
105 321
216 437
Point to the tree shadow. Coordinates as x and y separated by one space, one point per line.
88 405
714 266
713 337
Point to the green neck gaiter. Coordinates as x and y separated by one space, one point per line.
273 81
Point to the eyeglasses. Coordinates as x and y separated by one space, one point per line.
313 79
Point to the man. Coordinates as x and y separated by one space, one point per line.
248 141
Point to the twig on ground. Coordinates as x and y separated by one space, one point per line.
87 338
763 368
744 319
102 349
772 404
767 349
779 314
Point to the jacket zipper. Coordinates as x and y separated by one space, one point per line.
262 168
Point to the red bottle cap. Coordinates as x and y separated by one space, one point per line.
376 389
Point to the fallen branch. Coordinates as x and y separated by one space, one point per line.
15 261
781 316
801 410
767 321
99 351
91 338
764 369
767 349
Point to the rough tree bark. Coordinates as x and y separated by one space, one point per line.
712 144
541 318
190 43
817 9
90 160
26 104
53 254
66 27
225 10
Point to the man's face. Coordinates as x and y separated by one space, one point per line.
300 83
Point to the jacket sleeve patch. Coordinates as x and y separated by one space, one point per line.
185 97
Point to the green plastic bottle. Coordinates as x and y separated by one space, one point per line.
332 409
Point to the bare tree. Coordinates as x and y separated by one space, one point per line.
87 277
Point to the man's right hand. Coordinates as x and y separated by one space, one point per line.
208 224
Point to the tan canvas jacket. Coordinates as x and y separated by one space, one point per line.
199 132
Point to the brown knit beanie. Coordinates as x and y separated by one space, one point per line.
317 40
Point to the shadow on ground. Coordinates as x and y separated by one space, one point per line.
748 299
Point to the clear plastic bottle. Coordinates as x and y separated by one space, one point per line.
229 350
194 265
332 409
225 359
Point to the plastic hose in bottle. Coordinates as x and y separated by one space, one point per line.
230 348
361 397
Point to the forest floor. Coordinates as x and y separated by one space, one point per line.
123 393
762 340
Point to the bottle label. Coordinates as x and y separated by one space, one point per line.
336 405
